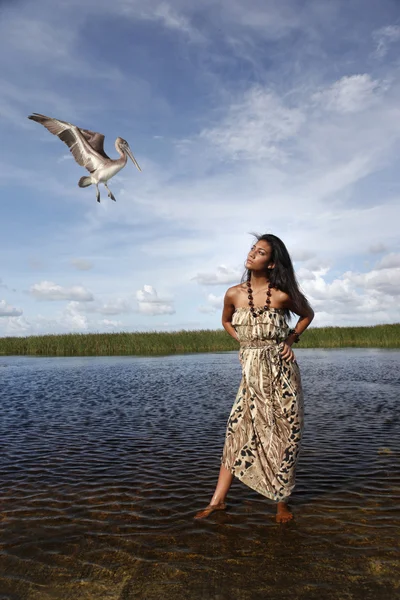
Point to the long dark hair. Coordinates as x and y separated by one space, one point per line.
282 276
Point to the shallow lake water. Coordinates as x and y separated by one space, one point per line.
104 462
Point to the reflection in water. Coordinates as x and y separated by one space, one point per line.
104 462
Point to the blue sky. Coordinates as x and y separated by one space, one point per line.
268 116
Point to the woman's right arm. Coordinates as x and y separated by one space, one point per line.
227 312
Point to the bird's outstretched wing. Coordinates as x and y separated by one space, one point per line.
86 146
96 140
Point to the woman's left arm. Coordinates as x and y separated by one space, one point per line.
306 315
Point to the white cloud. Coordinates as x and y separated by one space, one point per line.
16 326
310 273
255 127
47 290
270 20
223 275
73 319
81 264
351 94
383 37
150 304
385 280
355 298
175 21
110 324
68 320
389 261
215 303
6 310
168 14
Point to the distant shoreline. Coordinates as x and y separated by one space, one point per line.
181 342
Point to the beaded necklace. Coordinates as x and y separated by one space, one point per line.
259 311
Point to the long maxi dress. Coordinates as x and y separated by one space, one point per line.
265 426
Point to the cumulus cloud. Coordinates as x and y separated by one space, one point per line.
223 275
81 264
6 310
73 319
150 304
47 290
16 326
350 94
65 322
70 319
354 298
310 273
385 280
389 261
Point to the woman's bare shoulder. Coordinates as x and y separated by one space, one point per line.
233 292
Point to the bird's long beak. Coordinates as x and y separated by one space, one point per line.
133 159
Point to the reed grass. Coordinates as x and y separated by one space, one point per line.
180 342
375 336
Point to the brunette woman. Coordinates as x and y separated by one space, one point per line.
264 429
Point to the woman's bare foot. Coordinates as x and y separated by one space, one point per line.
283 514
202 514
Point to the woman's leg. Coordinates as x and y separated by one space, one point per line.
224 483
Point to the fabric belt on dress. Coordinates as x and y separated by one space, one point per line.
258 343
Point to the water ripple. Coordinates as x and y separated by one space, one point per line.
104 462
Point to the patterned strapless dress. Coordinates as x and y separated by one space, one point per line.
265 426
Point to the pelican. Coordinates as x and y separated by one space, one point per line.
87 148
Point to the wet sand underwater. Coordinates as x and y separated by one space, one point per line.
104 462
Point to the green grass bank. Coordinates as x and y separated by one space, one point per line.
178 342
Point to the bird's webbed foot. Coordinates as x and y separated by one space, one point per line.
110 194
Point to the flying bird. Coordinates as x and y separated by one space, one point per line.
87 148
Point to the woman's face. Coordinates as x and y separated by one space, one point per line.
259 256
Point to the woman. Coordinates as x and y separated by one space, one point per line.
263 434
